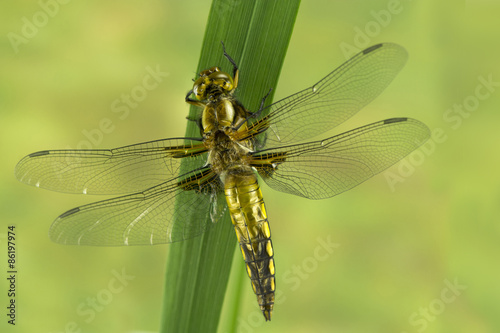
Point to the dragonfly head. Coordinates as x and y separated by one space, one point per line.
212 83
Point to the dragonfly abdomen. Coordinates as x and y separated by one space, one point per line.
249 218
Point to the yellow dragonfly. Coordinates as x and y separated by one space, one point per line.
235 146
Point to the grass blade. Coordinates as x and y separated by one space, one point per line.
256 35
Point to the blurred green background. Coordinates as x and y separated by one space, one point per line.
403 239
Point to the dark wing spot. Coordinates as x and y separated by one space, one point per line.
39 153
372 48
394 120
69 212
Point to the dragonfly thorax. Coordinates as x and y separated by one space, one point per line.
218 116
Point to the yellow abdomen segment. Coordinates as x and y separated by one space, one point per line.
249 217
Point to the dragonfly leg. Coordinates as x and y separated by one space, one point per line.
257 113
194 102
236 71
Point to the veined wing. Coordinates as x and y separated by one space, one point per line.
110 171
332 100
146 217
322 169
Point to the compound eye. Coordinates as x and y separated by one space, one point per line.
220 76
209 71
199 88
198 81
204 73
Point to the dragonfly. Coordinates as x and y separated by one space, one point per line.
162 203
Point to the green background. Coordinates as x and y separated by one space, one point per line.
399 246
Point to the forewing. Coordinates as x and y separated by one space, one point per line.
322 169
146 217
334 99
110 171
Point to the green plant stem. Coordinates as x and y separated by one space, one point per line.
256 35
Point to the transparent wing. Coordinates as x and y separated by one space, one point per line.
334 99
322 169
110 171
146 217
